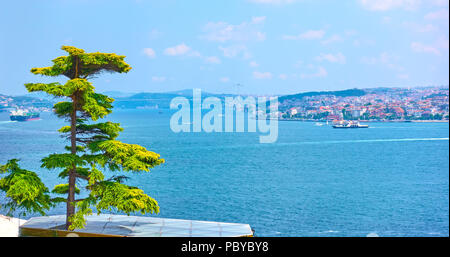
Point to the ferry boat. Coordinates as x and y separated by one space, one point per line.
348 124
23 115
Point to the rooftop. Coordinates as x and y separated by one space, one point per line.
134 226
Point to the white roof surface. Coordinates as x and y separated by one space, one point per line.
137 226
9 227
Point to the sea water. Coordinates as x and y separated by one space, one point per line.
391 179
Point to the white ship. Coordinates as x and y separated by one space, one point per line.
348 124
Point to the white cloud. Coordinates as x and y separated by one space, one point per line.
442 43
154 34
439 2
149 52
421 28
223 31
369 60
224 79
181 49
403 76
260 36
177 50
194 54
332 39
246 55
298 64
253 64
386 20
212 59
351 32
234 51
308 35
385 5
272 1
262 75
283 76
158 79
321 72
438 15
334 58
384 59
339 38
258 20
421 48
363 42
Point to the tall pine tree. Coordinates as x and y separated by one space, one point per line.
93 147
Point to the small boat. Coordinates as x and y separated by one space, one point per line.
318 124
348 124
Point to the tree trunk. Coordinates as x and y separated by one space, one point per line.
73 143
72 172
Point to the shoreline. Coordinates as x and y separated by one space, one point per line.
393 121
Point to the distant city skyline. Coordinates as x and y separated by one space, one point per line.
274 47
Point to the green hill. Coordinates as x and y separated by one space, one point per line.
341 93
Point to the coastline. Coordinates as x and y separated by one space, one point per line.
441 121
393 121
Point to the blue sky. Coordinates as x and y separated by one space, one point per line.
266 46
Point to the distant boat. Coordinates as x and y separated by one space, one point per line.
23 115
348 124
318 124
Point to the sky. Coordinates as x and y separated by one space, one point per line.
263 47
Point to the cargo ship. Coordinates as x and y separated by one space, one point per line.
348 124
21 115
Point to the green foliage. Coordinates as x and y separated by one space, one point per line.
93 105
81 171
54 89
23 189
117 196
130 157
92 146
77 220
60 65
83 65
64 189
95 176
63 109
96 105
100 131
63 160
285 101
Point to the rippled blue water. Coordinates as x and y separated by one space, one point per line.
391 179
